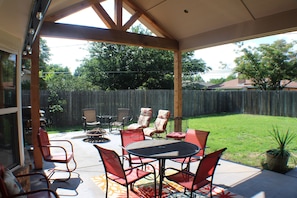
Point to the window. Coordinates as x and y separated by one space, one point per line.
9 146
9 140
7 80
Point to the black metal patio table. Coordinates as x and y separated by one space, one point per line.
162 150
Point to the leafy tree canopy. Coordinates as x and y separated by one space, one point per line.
268 64
59 78
111 66
221 80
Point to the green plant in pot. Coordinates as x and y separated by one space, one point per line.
277 159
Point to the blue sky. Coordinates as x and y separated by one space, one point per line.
68 52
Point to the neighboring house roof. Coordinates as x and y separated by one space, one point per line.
238 84
234 84
7 85
291 84
196 85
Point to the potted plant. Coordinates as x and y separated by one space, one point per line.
277 158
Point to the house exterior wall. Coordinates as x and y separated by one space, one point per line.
11 44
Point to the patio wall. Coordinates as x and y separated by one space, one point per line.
195 103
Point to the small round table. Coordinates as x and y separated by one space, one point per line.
162 150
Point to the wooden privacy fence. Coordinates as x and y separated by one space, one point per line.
195 103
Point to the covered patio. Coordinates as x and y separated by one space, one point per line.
240 180
179 26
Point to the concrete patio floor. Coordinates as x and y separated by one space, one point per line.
242 180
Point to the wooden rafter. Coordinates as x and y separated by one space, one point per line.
104 16
117 23
69 10
148 19
131 21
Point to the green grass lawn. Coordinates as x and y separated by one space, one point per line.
63 129
246 136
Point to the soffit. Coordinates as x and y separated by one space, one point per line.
14 17
204 16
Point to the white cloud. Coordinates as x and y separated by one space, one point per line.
67 52
214 57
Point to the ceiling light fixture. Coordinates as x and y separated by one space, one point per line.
28 47
39 15
31 31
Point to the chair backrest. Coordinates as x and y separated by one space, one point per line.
207 166
90 115
123 113
43 141
111 162
162 120
145 117
3 189
9 185
130 136
198 138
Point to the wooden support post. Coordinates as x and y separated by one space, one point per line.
178 103
35 103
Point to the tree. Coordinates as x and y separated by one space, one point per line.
44 58
112 66
192 67
221 80
58 78
268 64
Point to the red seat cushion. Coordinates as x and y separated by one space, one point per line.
176 135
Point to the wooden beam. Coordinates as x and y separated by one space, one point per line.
178 103
50 29
148 19
104 16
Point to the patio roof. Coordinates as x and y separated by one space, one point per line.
186 25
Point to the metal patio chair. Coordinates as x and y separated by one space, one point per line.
123 118
90 119
56 153
115 171
202 177
199 138
128 137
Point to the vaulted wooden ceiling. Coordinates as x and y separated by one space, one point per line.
185 25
